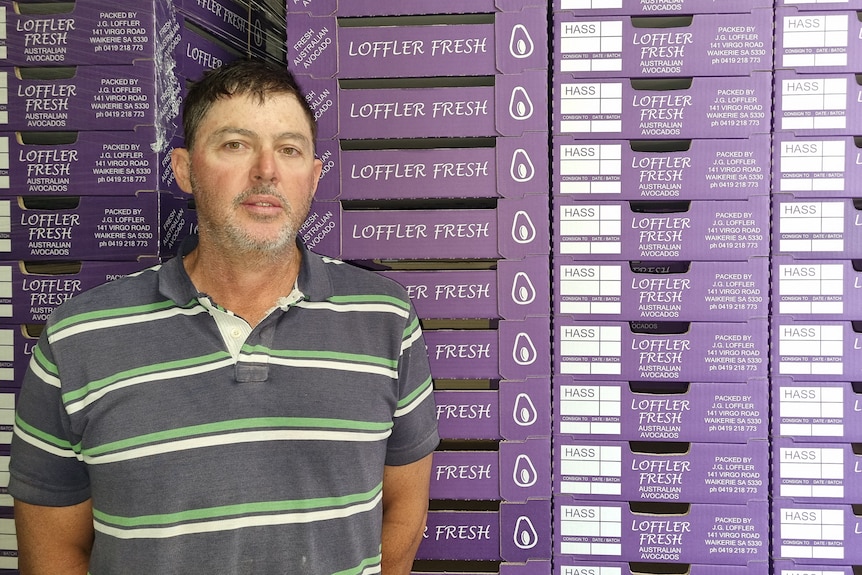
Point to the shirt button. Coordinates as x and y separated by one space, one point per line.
235 333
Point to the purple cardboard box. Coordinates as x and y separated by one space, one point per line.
728 230
245 25
662 170
16 346
514 167
636 411
8 399
177 220
513 105
351 8
816 533
817 104
816 410
515 532
828 228
506 43
31 290
80 163
669 290
822 41
662 351
816 289
90 98
589 46
515 290
517 410
816 166
564 565
198 51
789 567
531 567
514 229
820 4
80 227
665 533
654 8
659 471
810 350
512 351
516 471
815 472
669 108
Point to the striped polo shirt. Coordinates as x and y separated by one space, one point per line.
199 461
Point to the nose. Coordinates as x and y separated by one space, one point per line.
265 168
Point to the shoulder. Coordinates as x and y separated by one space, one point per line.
348 279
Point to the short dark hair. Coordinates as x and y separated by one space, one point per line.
255 78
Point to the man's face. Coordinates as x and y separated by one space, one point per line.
252 172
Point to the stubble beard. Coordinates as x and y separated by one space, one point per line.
234 239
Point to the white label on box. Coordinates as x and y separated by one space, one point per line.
811 411
811 226
806 36
811 349
594 229
820 528
597 469
592 289
811 472
811 288
591 569
591 46
591 521
596 167
812 166
580 403
590 349
589 4
805 99
588 99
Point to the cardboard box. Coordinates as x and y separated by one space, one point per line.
723 230
89 98
678 533
532 567
817 104
814 472
31 291
824 228
517 410
662 351
514 532
352 8
664 108
816 167
810 350
16 346
815 288
820 4
80 163
515 471
705 169
177 220
815 533
789 567
821 41
669 290
734 412
8 401
564 565
244 25
516 289
513 349
429 108
504 43
512 167
818 411
590 46
80 227
660 471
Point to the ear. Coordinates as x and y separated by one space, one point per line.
318 169
180 164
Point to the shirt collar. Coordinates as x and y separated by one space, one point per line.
313 281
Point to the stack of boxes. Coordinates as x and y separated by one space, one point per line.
90 96
661 156
434 137
815 275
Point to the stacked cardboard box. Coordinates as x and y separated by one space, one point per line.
814 271
434 138
661 158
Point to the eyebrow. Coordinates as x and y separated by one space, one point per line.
252 134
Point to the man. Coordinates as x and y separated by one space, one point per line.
246 407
